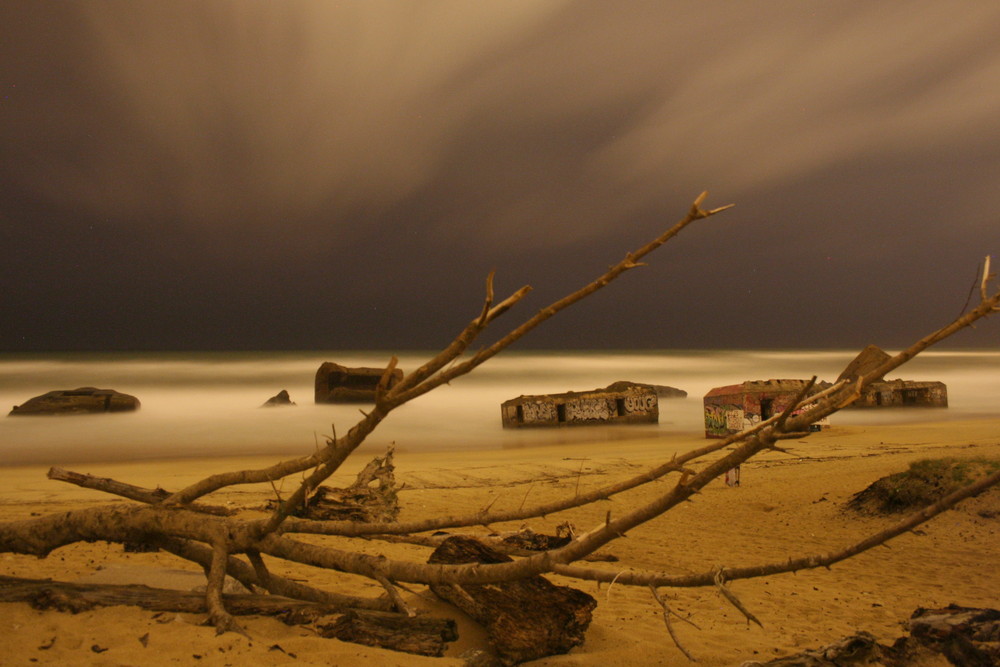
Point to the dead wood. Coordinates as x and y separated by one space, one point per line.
371 498
217 542
420 635
399 632
256 576
964 636
525 619
510 544
130 491
528 540
859 650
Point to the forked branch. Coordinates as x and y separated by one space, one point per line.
172 521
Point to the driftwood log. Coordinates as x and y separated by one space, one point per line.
525 619
963 636
399 632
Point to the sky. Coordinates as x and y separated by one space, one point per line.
322 175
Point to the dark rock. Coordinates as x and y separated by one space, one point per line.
281 398
77 401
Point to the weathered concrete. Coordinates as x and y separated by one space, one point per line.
903 394
867 361
737 407
340 384
892 393
84 400
634 405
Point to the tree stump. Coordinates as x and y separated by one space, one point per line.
371 498
525 620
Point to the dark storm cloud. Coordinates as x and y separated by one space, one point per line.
201 161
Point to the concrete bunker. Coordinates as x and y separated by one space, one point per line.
634 405
340 384
884 393
737 407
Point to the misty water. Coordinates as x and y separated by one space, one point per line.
209 404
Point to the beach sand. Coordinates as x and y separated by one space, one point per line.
789 504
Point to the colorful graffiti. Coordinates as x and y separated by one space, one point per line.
717 419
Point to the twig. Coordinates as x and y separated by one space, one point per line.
277 494
579 473
607 594
525 499
735 601
987 276
670 627
972 290
489 505
394 595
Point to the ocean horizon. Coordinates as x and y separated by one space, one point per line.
208 404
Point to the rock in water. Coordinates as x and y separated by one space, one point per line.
281 398
84 400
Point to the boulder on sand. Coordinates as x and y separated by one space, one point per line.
77 401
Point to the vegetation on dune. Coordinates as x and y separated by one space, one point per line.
924 483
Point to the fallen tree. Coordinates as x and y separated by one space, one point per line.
178 522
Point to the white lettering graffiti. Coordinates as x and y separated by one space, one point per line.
537 412
640 403
594 408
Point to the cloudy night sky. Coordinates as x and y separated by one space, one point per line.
248 174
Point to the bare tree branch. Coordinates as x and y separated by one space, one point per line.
150 496
215 538
647 578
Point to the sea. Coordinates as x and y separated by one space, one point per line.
209 404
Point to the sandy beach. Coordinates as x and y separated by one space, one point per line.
789 504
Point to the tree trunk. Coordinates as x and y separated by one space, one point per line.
398 632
